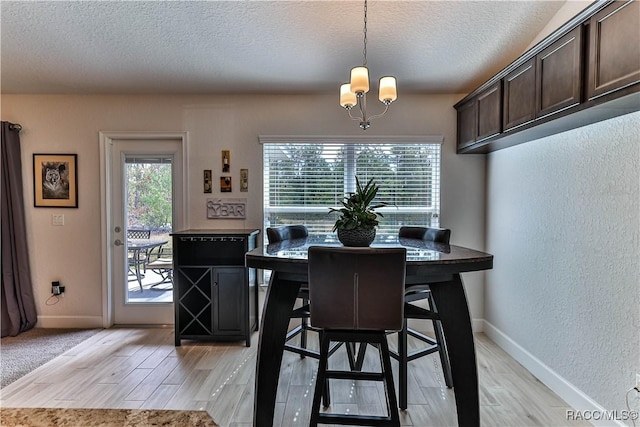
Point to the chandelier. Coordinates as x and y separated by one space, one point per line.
355 92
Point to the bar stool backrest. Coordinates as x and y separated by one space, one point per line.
357 288
286 232
437 235
135 233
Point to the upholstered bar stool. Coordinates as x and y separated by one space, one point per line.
415 293
277 235
356 296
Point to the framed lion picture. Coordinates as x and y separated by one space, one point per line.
55 180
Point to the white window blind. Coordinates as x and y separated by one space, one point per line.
304 176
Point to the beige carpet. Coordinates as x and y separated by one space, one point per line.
53 417
22 354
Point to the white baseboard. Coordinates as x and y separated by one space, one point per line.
69 322
563 388
96 322
477 325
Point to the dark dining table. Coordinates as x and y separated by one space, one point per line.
438 264
137 247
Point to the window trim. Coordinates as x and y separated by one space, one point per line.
347 139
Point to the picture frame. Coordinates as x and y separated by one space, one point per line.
208 184
226 161
244 180
55 180
225 184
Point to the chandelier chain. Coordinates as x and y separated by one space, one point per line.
364 51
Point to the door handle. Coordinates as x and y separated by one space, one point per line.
118 242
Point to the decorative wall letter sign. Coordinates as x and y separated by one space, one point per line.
226 208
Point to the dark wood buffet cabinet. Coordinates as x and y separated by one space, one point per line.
215 296
586 71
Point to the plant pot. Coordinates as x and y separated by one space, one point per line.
357 237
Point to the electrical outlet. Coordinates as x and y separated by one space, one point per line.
56 289
57 219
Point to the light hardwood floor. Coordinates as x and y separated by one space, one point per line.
141 368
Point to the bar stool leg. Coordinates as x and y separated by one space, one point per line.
322 384
303 331
442 347
385 359
403 362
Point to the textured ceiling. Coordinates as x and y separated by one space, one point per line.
259 46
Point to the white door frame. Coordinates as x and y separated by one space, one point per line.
106 144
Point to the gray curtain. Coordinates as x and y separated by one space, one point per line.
17 305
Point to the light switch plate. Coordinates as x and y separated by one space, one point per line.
57 219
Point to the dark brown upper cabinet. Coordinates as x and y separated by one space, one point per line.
549 82
467 123
489 112
586 71
614 48
480 117
559 74
520 95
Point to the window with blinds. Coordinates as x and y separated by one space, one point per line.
304 176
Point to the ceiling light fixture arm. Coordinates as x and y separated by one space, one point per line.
365 122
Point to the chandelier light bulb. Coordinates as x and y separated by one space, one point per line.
359 80
388 91
347 98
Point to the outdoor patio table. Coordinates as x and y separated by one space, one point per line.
136 247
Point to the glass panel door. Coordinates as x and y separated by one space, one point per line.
145 174
149 215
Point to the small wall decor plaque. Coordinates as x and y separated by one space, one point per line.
226 161
226 208
225 184
208 182
244 180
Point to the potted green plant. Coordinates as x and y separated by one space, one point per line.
357 222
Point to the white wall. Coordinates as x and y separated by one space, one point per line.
70 124
563 222
570 9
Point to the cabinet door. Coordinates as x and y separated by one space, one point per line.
559 74
520 95
467 124
489 112
614 48
480 117
194 301
230 296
